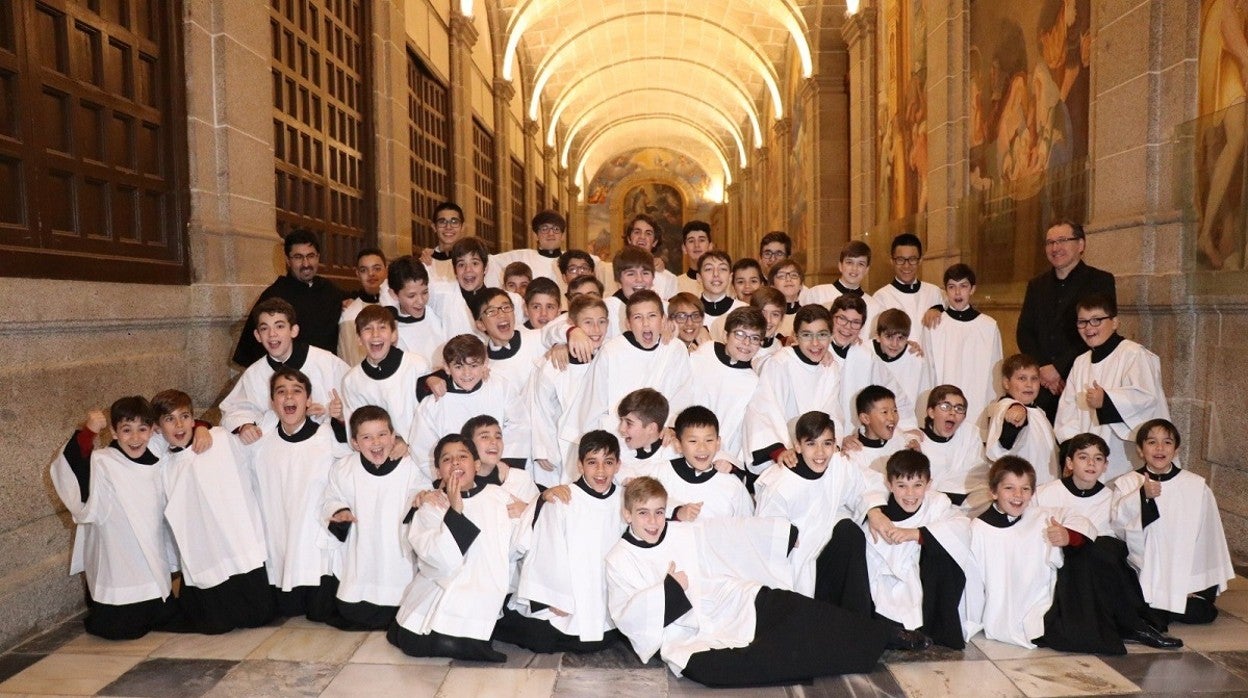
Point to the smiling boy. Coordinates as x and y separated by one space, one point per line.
420 329
1016 425
965 348
387 376
699 490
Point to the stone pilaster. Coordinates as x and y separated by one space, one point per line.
859 33
503 94
783 130
531 161
463 38
391 168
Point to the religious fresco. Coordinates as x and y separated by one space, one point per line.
1220 184
799 165
901 139
1028 67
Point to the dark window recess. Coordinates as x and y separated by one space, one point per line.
93 141
429 138
540 193
554 205
484 185
322 126
519 230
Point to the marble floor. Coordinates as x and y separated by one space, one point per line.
298 658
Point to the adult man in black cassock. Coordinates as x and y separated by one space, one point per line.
1046 326
317 301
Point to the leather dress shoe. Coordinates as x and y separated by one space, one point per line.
909 640
1152 638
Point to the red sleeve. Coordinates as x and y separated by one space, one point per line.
1077 539
775 454
86 441
202 423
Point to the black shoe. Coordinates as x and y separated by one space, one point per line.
1151 638
908 640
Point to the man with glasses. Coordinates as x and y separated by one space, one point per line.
317 301
448 228
550 230
774 246
906 292
1046 326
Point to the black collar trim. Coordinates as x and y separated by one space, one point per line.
405 319
580 482
298 355
477 486
692 274
930 433
721 353
997 518
1102 352
907 288
1174 472
528 325
894 512
688 474
717 308
963 315
388 366
379 470
1072 488
803 470
842 352
632 339
644 453
634 540
305 431
372 298
847 291
441 256
806 360
508 350
868 442
619 293
470 296
189 444
879 351
490 478
769 341
792 308
550 254
148 458
452 388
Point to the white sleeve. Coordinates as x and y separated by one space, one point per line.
517 433
637 605
1141 398
240 407
435 546
544 412
546 575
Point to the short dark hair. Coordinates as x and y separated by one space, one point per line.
1009 465
892 320
747 263
869 396
777 236
598 440
583 303
715 254
658 229
461 348
470 246
695 226
367 251
482 299
747 318
695 416
453 439
542 286
587 279
782 264
566 258
274 306
293 374
848 302
906 464
767 295
166 401
906 240
812 424
406 269
1141 434
548 217
374 313
446 206
647 403
631 258
478 422
1076 229
645 295
129 408
856 248
300 236
517 269
1078 442
808 314
1098 301
369 413
960 272
1017 362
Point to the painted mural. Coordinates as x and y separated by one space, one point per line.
1028 112
901 141
1220 192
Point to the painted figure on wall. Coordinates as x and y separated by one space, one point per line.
1221 134
901 143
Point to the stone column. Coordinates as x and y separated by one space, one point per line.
577 215
560 189
947 106
859 34
734 234
391 169
548 175
463 191
758 194
825 101
783 129
504 92
531 206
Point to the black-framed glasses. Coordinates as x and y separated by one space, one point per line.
1092 321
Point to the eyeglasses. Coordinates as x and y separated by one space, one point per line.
743 336
1059 241
641 231
448 223
578 269
949 406
846 322
788 276
1092 321
492 310
309 257
682 318
906 261
824 336
549 228
772 254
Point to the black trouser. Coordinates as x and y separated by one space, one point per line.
1200 610
841 570
537 635
943 582
131 621
316 603
244 600
436 644
1081 619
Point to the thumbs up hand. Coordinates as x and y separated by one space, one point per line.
1057 533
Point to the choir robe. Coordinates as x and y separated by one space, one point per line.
213 513
291 472
965 350
789 386
449 303
770 346
390 385
423 336
899 588
621 367
493 396
1095 505
250 399
550 395
689 283
958 465
721 494
874 455
518 359
859 369
638 462
542 263
723 386
1033 442
912 375
1176 541
1019 568
825 294
565 549
464 559
813 503
375 563
1131 377
715 314
912 299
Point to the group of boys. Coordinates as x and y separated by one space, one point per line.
808 475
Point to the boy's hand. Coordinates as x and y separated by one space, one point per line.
680 577
850 443
723 466
1095 396
545 464
688 512
906 535
435 497
558 356
515 508
1152 488
399 449
316 409
454 497
436 385
914 439
201 441
704 336
788 458
670 331
931 318
249 434
1051 379
1057 533
562 493
829 358
669 437
343 516
335 405
96 422
880 526
1016 415
580 345
426 256
558 612
915 348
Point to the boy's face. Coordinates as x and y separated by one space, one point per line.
688 320
599 469
275 334
818 452
449 228
906 260
774 315
470 272
576 269
745 282
715 275
947 415
377 337
742 343
645 321
132 436
959 292
646 520
456 460
635 279
893 343
374 439
489 442
1023 385
813 339
853 270
789 282
517 284
641 235
1086 465
1096 336
498 319
909 491
697 243
769 254
845 326
549 237
542 309
467 374
636 432
881 419
177 427
371 271
593 322
1013 494
413 298
290 401
1158 450
699 445
587 288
